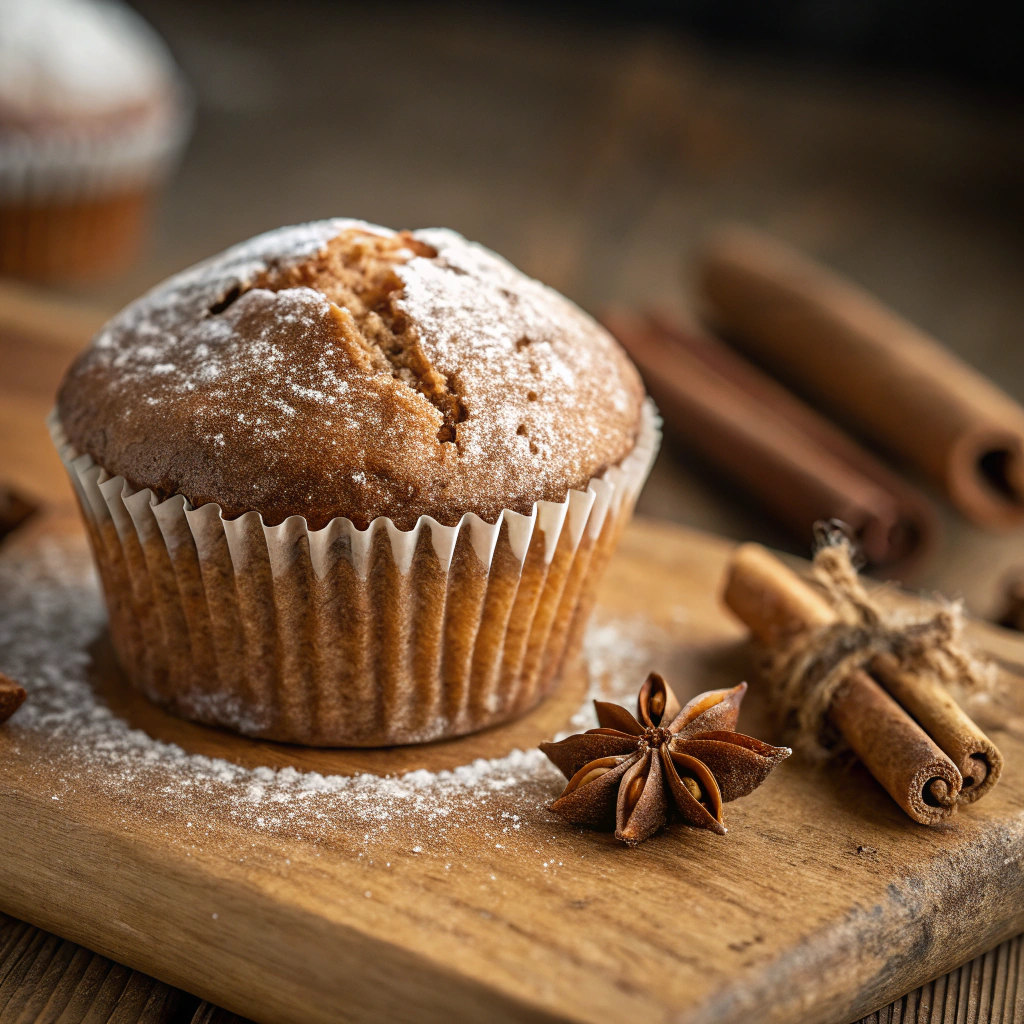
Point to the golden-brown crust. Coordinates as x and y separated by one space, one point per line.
339 369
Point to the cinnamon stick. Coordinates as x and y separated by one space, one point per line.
909 733
12 696
871 367
908 763
798 466
975 755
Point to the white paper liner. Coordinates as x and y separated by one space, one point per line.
348 637
64 166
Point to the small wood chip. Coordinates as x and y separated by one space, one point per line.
1012 614
12 696
15 508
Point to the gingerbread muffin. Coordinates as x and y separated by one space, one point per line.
347 486
93 113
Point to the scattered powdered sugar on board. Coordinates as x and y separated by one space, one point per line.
51 611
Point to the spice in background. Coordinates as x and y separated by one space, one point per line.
12 696
1012 614
15 509
798 465
870 368
632 774
837 664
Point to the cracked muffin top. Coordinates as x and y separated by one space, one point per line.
342 369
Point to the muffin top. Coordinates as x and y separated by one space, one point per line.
342 369
68 63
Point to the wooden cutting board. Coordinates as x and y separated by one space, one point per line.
821 903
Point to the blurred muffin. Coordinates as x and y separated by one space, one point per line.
92 114
348 486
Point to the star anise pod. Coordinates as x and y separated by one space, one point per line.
632 773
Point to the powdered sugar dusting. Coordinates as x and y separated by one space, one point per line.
236 384
478 317
51 610
155 320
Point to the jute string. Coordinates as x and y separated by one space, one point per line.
805 676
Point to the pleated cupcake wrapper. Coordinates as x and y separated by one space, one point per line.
350 637
63 166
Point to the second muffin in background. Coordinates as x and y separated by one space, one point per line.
351 486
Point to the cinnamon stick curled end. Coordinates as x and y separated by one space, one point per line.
12 696
907 762
976 757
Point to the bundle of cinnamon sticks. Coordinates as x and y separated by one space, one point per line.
871 368
903 724
859 361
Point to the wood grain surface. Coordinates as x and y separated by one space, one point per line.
988 990
46 980
78 987
210 1014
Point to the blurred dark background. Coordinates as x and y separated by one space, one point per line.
591 143
973 43
594 144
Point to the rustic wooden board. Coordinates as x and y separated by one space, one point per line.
821 903
79 987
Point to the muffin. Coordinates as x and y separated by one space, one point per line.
92 114
347 486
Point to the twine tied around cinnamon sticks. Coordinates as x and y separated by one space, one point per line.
805 674
837 662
